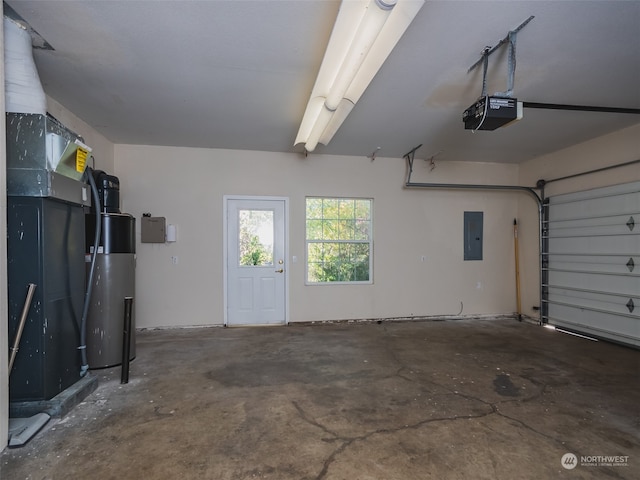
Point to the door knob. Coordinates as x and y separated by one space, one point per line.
280 271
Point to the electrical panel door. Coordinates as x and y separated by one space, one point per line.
473 235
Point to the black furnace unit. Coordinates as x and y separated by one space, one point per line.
45 246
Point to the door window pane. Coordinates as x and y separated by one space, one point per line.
255 242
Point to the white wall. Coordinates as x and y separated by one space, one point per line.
187 185
619 147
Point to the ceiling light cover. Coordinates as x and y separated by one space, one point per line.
362 38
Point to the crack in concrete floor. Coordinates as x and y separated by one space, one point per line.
346 442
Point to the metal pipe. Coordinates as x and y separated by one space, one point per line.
126 339
580 108
541 249
541 183
23 319
409 184
544 273
469 186
517 260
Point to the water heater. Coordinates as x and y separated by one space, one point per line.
114 275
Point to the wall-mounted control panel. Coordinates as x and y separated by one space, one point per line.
153 229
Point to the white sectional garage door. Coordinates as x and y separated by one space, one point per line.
591 274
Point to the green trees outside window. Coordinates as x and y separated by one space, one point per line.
256 237
339 240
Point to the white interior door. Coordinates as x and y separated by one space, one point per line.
255 255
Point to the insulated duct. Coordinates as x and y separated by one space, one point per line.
23 90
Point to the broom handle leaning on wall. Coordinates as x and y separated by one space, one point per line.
23 320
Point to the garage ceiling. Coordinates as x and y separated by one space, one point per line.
238 74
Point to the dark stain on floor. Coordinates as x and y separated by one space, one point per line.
503 385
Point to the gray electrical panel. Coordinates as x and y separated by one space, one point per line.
473 235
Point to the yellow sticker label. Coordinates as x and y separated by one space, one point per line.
81 159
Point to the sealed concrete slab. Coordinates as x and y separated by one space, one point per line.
481 399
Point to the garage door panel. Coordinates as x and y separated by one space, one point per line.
591 266
615 264
600 205
584 299
627 205
612 327
595 245
619 222
563 229
620 189
597 282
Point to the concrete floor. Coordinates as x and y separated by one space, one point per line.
465 399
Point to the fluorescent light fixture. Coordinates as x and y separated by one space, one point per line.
363 36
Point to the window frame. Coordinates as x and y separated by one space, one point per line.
308 241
